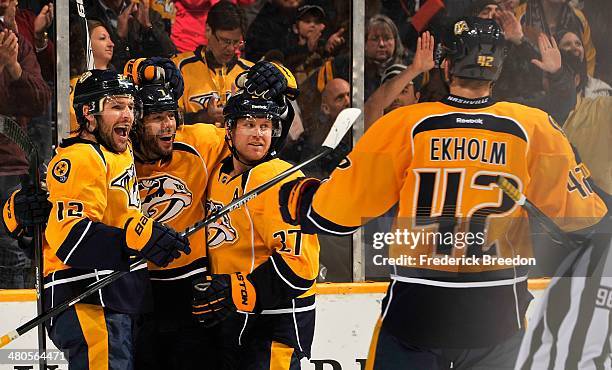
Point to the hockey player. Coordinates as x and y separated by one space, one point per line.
173 162
440 161
259 263
95 227
210 70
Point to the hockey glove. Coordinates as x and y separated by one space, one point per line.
155 241
268 80
218 296
25 208
156 70
295 197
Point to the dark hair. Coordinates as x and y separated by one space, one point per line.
577 67
77 59
226 16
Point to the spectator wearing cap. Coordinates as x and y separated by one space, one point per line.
306 46
570 42
400 84
485 9
551 16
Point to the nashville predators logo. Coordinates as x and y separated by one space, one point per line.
204 99
61 170
220 231
126 182
164 197
461 27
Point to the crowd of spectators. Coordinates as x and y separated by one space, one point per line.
559 60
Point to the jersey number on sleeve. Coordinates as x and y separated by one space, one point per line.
69 209
282 235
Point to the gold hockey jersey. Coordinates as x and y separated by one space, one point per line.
173 192
281 262
440 162
93 192
204 81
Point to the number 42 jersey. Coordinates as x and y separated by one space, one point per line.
457 234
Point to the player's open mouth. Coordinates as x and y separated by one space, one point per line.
121 131
166 138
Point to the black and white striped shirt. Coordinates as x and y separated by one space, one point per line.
572 325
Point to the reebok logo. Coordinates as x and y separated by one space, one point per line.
470 120
259 106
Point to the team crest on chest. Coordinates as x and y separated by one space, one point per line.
126 182
220 231
203 99
164 197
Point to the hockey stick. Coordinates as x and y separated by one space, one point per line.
549 225
88 50
343 123
17 135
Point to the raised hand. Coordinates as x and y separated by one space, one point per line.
513 31
43 19
423 59
335 40
551 57
123 20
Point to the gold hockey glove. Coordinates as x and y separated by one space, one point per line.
155 241
216 297
295 198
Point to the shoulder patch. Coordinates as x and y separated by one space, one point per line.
61 170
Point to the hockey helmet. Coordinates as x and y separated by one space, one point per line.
94 86
156 98
475 48
243 105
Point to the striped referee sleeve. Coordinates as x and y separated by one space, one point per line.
572 325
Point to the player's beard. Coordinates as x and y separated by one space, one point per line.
108 137
151 148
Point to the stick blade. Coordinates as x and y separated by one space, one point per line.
342 124
16 134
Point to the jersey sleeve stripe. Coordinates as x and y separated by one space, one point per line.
94 245
276 284
77 243
298 283
316 223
